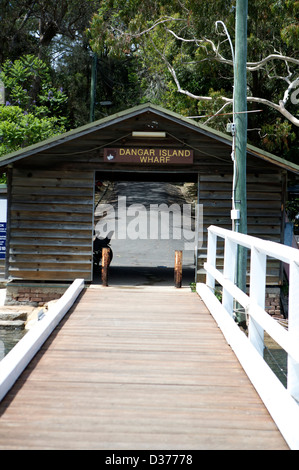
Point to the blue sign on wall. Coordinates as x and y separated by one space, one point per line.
2 240
3 220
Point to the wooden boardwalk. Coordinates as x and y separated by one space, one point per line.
136 369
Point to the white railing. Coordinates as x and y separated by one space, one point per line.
281 402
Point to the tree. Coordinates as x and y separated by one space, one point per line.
15 37
178 42
32 25
54 31
31 113
19 128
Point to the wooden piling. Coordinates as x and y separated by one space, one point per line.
178 269
105 265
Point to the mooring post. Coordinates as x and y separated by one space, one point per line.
105 265
178 269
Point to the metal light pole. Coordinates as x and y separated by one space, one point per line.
93 87
231 128
240 94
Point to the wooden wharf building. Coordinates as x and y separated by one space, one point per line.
50 219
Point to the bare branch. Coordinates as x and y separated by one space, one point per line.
197 41
185 92
218 112
278 107
252 66
157 23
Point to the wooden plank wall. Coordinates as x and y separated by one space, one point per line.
2 269
51 225
264 206
52 220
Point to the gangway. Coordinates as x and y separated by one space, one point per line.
155 367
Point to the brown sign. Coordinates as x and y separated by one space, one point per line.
149 156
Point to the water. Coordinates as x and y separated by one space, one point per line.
8 339
277 359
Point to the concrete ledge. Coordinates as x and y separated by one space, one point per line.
19 357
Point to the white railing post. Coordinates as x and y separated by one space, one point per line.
229 272
258 264
293 366
211 258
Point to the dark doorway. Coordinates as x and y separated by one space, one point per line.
147 221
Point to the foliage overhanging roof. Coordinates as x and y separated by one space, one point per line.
10 158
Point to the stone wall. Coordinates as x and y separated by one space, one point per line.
34 295
272 302
39 294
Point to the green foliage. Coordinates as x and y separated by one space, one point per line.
134 53
3 178
28 85
288 11
218 295
292 209
34 109
153 32
54 31
211 108
278 136
73 73
19 129
118 31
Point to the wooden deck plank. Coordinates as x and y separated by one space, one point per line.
136 369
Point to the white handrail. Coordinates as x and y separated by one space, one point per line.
286 415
